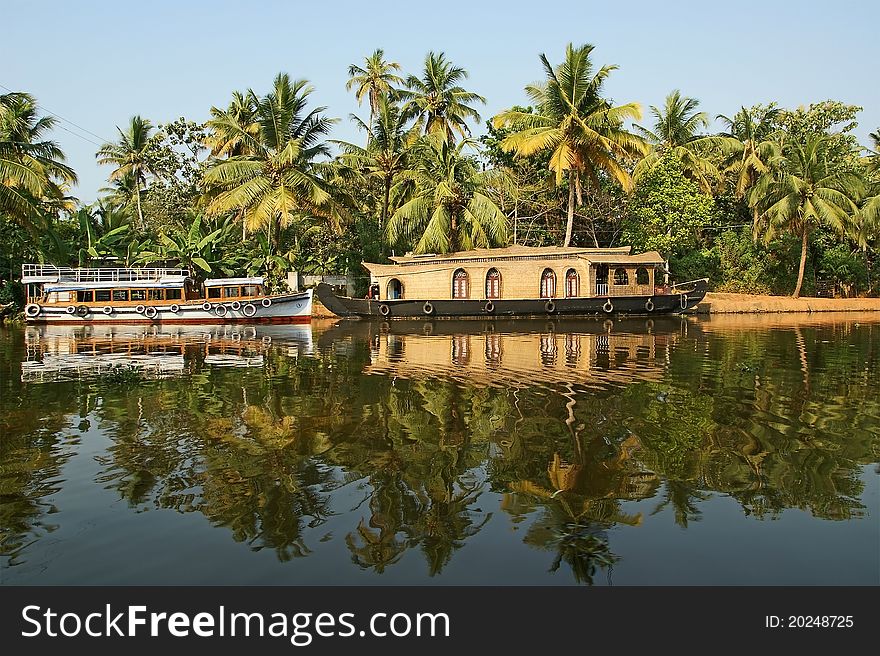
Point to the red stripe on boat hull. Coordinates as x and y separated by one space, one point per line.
204 322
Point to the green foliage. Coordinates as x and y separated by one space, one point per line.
750 267
847 268
447 208
205 246
829 117
694 264
668 210
436 101
275 181
582 130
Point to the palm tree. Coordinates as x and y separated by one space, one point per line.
447 208
437 101
749 146
870 210
676 131
277 180
128 155
803 188
374 80
874 156
388 154
227 127
33 176
583 131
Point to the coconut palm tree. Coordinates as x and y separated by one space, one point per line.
128 155
446 206
33 176
803 188
389 150
375 80
583 131
873 159
278 180
437 101
676 130
228 127
749 145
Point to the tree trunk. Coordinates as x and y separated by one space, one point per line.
385 203
800 280
137 193
570 222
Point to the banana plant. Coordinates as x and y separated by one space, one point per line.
199 249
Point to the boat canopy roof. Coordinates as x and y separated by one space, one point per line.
175 282
224 282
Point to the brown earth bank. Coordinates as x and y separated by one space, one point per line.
719 303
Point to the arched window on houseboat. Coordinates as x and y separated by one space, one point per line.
572 284
460 284
395 289
642 277
548 284
621 277
493 284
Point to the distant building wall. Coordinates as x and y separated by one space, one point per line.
344 284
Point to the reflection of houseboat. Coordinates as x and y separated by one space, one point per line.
566 352
65 295
518 281
70 352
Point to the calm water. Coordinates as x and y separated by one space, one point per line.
723 451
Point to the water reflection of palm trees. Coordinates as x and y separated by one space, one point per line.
441 431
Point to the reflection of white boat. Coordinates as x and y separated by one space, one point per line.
64 366
69 352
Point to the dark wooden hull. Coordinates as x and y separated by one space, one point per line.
344 306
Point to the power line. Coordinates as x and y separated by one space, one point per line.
67 120
80 136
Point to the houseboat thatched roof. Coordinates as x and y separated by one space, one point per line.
621 255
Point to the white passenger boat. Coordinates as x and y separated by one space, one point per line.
65 295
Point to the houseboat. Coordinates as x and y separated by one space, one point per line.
519 281
65 295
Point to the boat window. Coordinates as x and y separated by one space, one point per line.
460 286
213 292
621 277
395 289
572 284
249 290
548 284
102 295
154 294
139 294
230 292
172 294
120 294
493 284
84 296
642 277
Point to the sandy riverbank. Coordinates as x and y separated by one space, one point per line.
717 303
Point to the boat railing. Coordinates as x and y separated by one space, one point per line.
71 274
601 289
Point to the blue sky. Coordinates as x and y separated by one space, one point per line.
98 63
